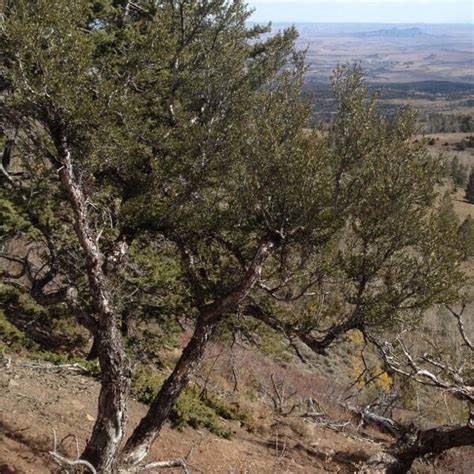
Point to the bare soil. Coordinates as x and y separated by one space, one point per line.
37 398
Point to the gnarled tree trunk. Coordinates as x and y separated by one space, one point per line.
109 428
138 445
433 441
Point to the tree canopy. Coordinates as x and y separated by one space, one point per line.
161 164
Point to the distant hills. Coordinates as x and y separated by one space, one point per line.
392 33
391 53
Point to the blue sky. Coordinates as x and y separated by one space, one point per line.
364 11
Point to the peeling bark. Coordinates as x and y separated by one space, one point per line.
111 419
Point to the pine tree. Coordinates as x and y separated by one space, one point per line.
466 236
458 173
469 196
447 215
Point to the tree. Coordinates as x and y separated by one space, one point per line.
469 196
384 273
466 235
396 256
196 141
447 215
172 126
449 371
458 173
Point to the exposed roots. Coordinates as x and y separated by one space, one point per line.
173 463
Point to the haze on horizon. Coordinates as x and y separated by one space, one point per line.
364 11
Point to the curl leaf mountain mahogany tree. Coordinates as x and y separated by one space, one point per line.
395 256
163 120
173 125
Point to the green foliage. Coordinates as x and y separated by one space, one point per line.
14 338
268 341
18 304
230 412
146 384
191 409
397 254
12 221
458 173
51 335
466 235
447 215
188 136
17 340
469 195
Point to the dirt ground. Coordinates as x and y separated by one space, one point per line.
36 399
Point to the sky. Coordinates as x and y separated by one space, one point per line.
364 11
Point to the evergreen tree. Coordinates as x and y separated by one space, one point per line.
457 173
469 195
447 215
165 152
466 235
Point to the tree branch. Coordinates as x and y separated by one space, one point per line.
462 329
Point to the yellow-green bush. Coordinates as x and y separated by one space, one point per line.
12 337
190 409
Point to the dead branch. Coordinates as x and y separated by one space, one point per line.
74 437
462 329
56 368
7 360
403 362
65 462
163 465
171 464
280 398
384 424
315 411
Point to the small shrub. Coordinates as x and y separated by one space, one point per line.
466 235
145 384
13 337
469 196
458 173
189 410
230 412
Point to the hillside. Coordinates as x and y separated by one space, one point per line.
39 398
392 33
198 274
